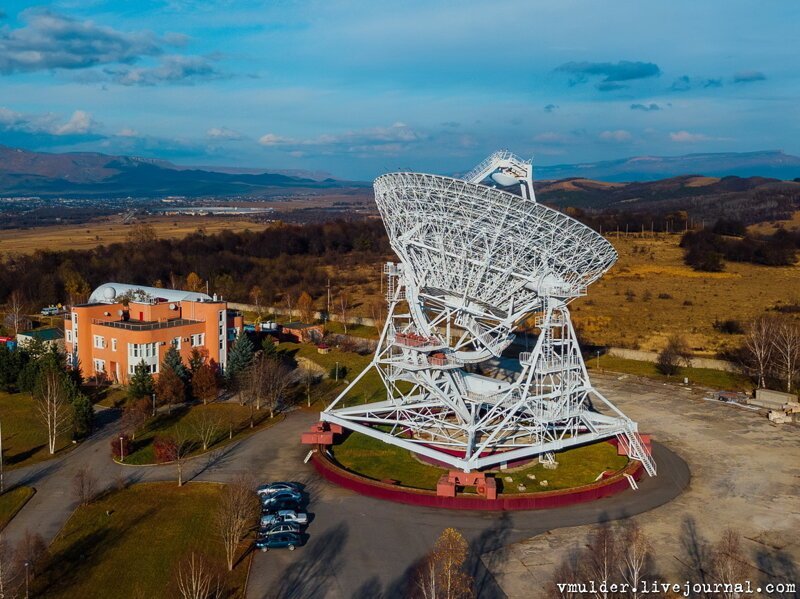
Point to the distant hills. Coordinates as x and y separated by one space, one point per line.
88 174
775 164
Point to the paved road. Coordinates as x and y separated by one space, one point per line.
358 547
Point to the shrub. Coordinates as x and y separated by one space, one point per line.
164 449
664 296
673 356
729 326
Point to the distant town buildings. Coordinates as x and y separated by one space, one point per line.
122 325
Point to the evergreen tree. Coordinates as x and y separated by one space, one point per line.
268 347
196 361
173 361
240 356
141 383
11 365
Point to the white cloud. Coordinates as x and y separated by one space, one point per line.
222 133
618 135
271 139
127 132
687 137
551 137
79 123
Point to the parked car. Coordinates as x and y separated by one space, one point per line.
284 516
281 528
271 488
287 540
281 497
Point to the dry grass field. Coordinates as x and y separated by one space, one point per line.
650 293
770 227
106 231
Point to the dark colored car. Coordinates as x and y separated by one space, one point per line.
283 540
280 528
282 500
270 489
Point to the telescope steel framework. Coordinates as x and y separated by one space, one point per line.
476 261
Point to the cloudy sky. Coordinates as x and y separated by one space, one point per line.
358 88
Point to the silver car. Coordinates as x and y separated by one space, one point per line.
284 516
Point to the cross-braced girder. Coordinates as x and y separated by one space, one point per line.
476 262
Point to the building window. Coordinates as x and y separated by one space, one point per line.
68 335
113 344
198 339
99 342
99 366
176 343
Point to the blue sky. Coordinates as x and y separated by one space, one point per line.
358 88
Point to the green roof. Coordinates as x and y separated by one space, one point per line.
45 334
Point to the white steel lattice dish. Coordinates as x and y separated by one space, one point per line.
475 262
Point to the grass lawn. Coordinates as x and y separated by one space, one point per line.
228 415
356 330
11 502
377 460
708 377
24 434
134 551
370 387
108 397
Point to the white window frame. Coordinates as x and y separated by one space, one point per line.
99 342
176 342
99 365
113 344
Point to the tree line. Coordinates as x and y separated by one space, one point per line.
278 259
707 249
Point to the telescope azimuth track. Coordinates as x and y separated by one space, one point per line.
476 261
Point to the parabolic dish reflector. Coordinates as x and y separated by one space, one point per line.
486 244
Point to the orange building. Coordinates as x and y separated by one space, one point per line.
122 325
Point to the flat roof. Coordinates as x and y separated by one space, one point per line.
51 334
145 325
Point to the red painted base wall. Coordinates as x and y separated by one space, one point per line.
521 501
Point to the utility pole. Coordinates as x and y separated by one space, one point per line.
2 488
328 309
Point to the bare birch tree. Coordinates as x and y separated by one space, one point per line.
728 563
759 345
10 578
15 311
205 427
237 513
787 349
441 574
52 403
84 486
602 562
196 579
635 555
344 308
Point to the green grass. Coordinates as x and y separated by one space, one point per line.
370 388
377 460
134 552
24 434
356 330
227 414
11 502
577 466
108 397
708 377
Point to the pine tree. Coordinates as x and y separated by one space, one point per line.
173 361
141 383
268 347
196 360
240 356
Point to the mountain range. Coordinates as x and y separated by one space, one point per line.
90 174
768 163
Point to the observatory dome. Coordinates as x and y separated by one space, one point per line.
472 241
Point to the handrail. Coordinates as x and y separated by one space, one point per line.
133 325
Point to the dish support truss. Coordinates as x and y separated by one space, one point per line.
438 407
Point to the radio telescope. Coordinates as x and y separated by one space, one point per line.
477 261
